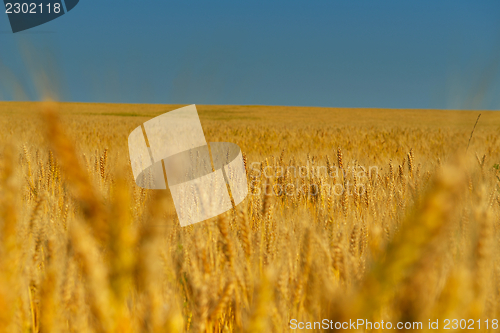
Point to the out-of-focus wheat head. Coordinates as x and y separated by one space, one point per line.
83 249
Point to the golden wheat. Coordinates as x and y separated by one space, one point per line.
83 249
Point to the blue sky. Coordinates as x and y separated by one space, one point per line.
353 53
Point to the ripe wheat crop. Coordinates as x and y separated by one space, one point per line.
83 249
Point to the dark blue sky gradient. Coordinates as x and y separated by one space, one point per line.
353 53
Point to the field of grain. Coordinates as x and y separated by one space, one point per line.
83 249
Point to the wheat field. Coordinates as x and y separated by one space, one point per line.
83 249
